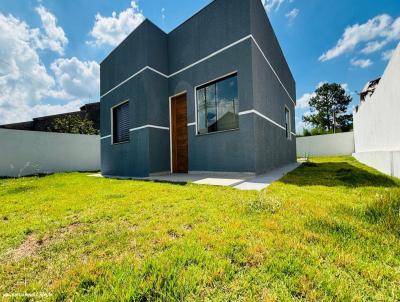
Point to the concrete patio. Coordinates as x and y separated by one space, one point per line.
241 181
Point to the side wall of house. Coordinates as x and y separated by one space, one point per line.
274 89
146 46
219 35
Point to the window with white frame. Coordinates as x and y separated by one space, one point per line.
120 123
287 123
218 105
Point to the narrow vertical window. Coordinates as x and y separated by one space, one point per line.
120 118
287 123
201 111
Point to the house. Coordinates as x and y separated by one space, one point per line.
376 121
213 95
90 111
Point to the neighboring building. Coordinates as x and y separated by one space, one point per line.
376 121
90 111
215 95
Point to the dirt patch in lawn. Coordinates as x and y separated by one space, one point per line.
34 243
26 249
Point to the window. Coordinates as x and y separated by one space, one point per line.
218 106
287 123
120 120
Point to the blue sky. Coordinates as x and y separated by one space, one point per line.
50 49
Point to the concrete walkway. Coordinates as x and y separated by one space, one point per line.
241 181
261 182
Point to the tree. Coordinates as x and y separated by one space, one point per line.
75 124
313 131
328 109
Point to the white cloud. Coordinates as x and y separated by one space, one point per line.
163 13
363 63
23 77
24 80
300 125
77 79
377 27
273 4
373 47
50 109
25 112
303 102
112 30
292 14
345 86
387 55
54 37
393 33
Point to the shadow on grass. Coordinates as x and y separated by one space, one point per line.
341 230
18 190
178 183
35 175
383 211
337 174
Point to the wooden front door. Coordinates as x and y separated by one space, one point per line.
179 134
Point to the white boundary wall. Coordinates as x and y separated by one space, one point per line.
325 145
387 162
30 152
377 123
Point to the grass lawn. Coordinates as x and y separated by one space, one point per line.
330 230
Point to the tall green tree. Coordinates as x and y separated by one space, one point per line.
329 109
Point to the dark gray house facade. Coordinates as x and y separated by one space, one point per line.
215 94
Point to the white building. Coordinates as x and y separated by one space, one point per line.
377 121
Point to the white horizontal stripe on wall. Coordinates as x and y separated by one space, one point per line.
194 124
211 55
140 128
273 70
264 117
156 71
149 126
123 82
202 60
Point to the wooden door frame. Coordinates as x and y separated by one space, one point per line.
170 127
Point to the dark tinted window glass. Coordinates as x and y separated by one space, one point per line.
121 123
227 104
287 123
211 109
201 111
217 106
